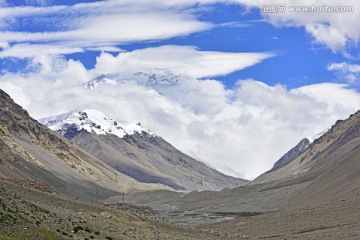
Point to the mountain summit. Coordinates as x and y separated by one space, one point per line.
92 121
157 79
95 82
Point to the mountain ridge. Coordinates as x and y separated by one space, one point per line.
138 153
293 152
91 120
157 79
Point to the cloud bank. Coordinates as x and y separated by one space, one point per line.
98 25
351 72
185 60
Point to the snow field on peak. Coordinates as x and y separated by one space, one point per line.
93 121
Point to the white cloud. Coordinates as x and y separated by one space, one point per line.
328 35
17 93
344 67
4 45
351 72
334 97
116 29
337 30
145 26
104 48
113 23
240 131
235 24
31 51
179 59
13 13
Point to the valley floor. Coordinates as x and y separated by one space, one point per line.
32 214
27 213
339 220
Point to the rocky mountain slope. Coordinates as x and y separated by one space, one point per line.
137 152
31 151
328 150
301 146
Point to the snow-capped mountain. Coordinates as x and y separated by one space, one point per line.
92 121
102 79
136 152
157 79
317 136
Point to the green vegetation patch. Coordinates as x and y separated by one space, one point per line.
78 228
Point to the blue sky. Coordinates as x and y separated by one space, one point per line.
300 60
246 71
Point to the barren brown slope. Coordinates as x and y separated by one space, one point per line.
330 167
339 177
331 164
32 151
150 159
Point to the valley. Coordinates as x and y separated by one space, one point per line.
179 120
26 213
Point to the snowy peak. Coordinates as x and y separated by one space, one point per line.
317 136
157 78
102 79
154 78
92 121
